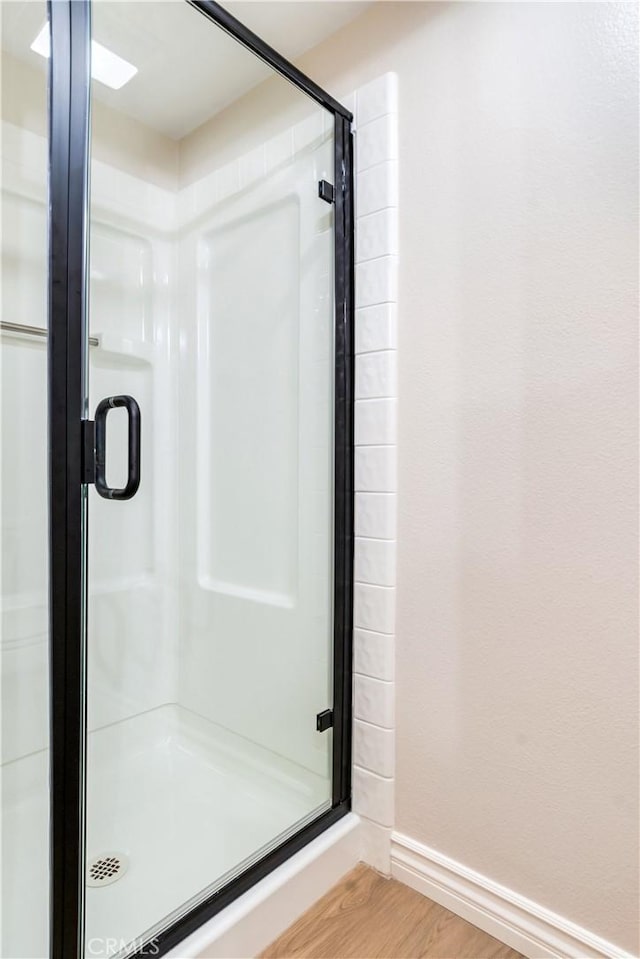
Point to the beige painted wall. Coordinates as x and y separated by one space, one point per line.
116 138
245 124
517 592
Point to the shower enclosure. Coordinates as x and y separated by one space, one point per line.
176 359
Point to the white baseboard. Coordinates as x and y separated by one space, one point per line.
254 920
520 923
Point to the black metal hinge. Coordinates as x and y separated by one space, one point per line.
326 191
324 720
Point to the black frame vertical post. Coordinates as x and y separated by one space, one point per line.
343 466
68 165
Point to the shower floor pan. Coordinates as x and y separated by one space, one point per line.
183 801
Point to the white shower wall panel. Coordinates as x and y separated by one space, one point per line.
24 658
212 306
23 483
133 644
256 435
248 380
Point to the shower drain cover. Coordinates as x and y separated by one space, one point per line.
106 868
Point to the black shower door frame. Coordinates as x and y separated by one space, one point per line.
71 462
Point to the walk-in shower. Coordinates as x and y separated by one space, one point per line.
176 469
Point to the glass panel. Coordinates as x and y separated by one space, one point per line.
210 608
24 661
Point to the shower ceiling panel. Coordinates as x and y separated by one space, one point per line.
207 73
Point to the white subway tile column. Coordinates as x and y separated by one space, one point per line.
375 112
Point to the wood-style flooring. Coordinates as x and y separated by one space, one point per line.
369 917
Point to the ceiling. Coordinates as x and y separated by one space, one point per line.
188 68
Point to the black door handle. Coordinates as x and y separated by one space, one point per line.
133 471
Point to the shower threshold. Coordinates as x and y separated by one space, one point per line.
185 801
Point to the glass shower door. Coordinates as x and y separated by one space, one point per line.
211 365
24 634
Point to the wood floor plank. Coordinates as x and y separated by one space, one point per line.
366 916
